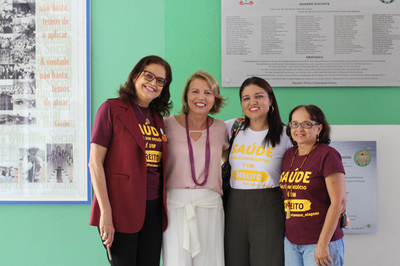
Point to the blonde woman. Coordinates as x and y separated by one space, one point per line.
195 235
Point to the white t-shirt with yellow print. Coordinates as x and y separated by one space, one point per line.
254 166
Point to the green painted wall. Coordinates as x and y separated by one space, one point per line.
188 35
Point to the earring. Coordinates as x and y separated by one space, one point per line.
243 114
272 109
317 138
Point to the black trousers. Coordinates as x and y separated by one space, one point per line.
254 228
144 247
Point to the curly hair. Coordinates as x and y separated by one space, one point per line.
127 92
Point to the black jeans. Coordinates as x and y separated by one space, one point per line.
144 247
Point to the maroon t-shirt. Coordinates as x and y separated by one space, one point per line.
102 135
310 199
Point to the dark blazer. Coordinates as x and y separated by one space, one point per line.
125 167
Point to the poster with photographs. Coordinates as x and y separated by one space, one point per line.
44 102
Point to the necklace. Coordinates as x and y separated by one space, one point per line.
190 148
289 192
148 112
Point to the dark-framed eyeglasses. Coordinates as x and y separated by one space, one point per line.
306 124
150 77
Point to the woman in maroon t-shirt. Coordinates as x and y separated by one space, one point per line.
127 157
313 185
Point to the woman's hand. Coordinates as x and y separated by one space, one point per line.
107 230
335 184
96 160
321 256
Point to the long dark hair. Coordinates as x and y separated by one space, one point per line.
274 134
127 92
316 115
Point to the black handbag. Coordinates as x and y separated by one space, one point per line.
226 166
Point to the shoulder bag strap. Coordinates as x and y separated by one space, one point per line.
237 125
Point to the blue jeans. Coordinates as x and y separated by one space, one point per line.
303 255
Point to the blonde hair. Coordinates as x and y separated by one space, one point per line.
212 83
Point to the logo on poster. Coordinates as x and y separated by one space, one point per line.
362 158
246 2
387 1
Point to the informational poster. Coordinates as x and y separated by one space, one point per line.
359 160
300 43
44 102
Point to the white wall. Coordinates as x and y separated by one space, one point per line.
381 248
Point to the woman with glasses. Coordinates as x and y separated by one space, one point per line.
128 166
313 186
254 227
195 234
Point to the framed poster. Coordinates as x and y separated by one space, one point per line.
44 101
316 43
359 159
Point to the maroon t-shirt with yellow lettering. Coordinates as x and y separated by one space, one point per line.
309 198
102 135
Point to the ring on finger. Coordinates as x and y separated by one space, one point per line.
105 234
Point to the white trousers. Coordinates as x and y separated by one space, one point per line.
195 233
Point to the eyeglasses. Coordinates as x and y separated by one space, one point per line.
306 124
150 77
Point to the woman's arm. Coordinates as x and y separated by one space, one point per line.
96 160
225 154
335 184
